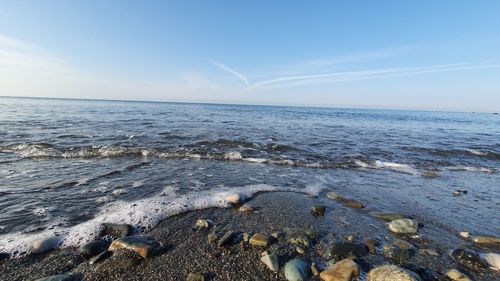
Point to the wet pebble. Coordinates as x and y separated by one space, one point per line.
343 270
204 223
467 258
271 261
195 277
116 230
93 248
318 210
259 239
100 257
485 240
388 217
353 204
43 245
456 275
234 198
346 249
403 226
297 270
492 259
144 246
464 234
395 254
334 196
392 273
226 238
246 208
371 244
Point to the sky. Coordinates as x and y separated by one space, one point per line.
426 54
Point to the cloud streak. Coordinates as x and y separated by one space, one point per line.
231 71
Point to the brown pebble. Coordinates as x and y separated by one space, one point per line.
353 204
371 243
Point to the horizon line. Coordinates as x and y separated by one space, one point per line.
249 104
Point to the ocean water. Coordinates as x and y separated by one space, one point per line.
66 166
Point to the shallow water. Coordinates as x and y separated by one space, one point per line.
68 165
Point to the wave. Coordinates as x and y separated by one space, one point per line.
468 152
142 214
403 168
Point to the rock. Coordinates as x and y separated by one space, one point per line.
195 277
403 226
260 240
144 246
467 258
387 216
334 196
318 210
457 193
343 270
456 275
429 252
271 261
234 198
396 254
246 237
4 256
204 223
346 249
246 208
43 245
93 248
116 230
485 240
212 237
464 234
392 273
492 259
371 244
299 250
226 239
100 257
350 238
314 269
401 244
124 263
353 204
297 270
60 277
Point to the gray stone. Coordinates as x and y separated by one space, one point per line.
403 226
297 270
93 248
100 257
492 259
485 240
456 275
116 230
227 238
271 261
396 255
43 245
144 246
204 223
392 273
318 210
246 208
346 249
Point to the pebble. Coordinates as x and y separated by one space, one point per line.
116 230
195 277
343 270
260 240
271 261
353 204
212 237
43 245
246 208
456 275
467 258
299 250
346 249
318 210
485 240
464 234
100 257
314 269
226 239
246 237
387 216
304 241
234 198
204 223
350 238
144 246
60 277
403 226
4 256
297 270
492 259
371 244
457 193
93 248
334 196
395 254
392 273
429 252
403 245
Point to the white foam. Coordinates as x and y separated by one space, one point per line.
468 169
233 155
255 160
477 152
361 163
142 214
403 168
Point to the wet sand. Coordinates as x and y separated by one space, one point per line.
186 249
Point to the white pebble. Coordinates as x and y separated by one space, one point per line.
493 260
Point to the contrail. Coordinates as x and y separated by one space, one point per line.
231 71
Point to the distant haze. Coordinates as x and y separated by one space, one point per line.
430 55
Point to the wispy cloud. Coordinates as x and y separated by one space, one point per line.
231 71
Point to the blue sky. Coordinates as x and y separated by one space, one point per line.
435 55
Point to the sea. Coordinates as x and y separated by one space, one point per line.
67 166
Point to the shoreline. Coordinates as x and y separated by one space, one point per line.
186 249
